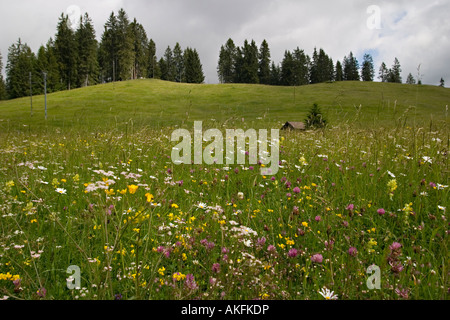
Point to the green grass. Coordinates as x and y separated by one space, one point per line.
154 224
152 103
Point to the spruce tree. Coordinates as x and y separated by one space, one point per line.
275 74
3 94
238 74
315 118
288 76
53 77
331 70
178 61
21 61
193 70
264 63
87 46
301 65
168 67
410 79
125 53
108 51
383 73
250 62
66 52
40 66
351 68
163 68
367 70
339 73
394 73
321 69
442 83
226 68
153 70
140 50
314 68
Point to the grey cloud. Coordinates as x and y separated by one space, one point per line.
414 31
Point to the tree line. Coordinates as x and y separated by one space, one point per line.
253 64
74 58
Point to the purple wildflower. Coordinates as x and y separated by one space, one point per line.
190 282
395 246
216 268
293 253
42 292
352 251
317 258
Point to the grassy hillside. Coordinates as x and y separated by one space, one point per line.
157 103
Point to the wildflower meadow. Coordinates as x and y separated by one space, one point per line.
114 206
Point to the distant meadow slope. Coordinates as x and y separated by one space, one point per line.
155 103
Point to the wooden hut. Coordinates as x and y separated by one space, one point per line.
294 126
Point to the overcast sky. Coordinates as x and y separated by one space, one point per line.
415 31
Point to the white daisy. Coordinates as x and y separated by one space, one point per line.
61 191
202 205
327 294
427 159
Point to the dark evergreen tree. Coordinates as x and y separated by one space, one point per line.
367 70
330 71
40 66
140 50
153 67
442 83
301 66
163 68
53 77
66 52
21 61
178 61
315 118
193 67
250 63
383 73
264 63
394 74
238 74
125 52
87 46
108 52
3 93
350 68
410 79
314 68
320 69
339 73
168 67
288 75
226 68
275 74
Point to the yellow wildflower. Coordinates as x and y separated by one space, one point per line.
132 189
178 276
